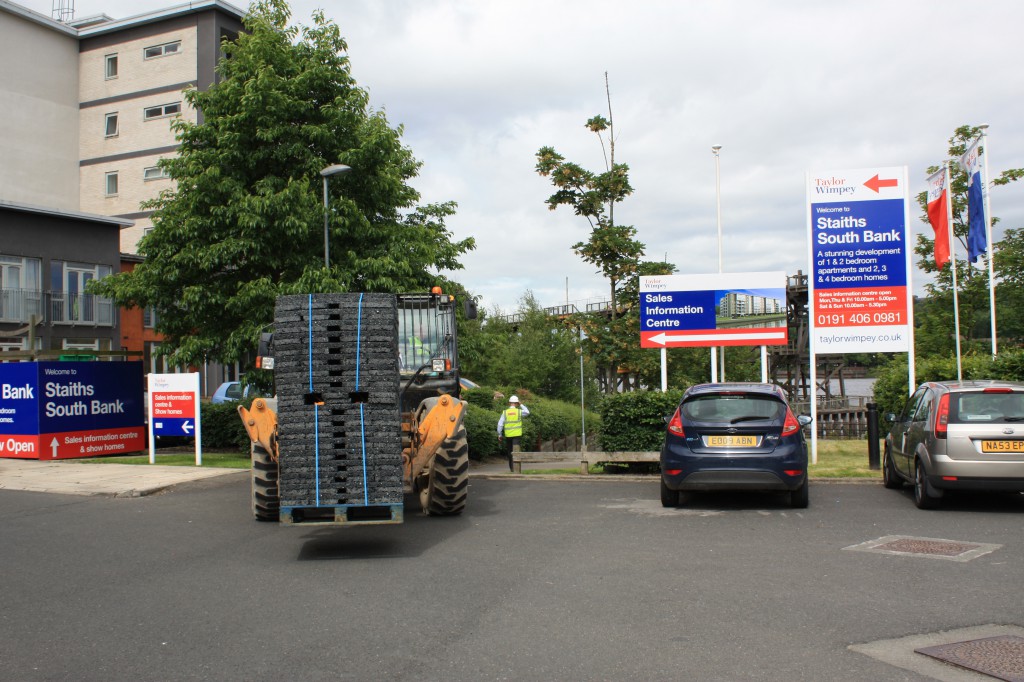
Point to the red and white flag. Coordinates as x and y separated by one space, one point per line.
938 215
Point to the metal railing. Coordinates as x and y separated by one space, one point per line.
56 307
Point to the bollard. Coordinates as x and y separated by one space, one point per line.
873 462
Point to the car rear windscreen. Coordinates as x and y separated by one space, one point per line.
987 408
733 408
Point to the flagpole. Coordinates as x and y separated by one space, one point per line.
952 257
988 234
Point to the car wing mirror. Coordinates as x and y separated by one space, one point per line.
890 417
804 420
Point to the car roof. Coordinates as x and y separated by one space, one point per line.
733 387
975 384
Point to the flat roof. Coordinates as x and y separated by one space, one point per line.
100 24
68 215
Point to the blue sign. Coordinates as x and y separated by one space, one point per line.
70 409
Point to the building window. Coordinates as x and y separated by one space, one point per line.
162 50
20 288
110 66
110 128
69 302
111 184
155 173
149 318
162 111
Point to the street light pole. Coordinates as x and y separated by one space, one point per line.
715 149
336 169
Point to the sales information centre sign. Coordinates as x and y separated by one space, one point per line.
860 261
732 309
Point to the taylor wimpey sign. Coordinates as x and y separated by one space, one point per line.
58 410
860 260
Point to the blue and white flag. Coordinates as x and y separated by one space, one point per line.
976 239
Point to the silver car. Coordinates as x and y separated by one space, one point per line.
957 436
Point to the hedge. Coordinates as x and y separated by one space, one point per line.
635 421
548 420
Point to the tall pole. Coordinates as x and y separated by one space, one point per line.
988 235
715 149
947 183
327 241
326 173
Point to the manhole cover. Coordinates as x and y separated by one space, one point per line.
940 547
903 545
1000 657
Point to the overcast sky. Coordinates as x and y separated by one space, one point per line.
784 86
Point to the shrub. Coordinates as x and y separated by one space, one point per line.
635 421
222 427
548 420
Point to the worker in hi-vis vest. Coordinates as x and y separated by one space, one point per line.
510 427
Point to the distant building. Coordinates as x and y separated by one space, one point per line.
85 108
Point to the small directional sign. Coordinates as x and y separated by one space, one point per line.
174 409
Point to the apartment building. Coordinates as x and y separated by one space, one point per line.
85 113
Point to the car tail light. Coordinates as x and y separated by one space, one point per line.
673 472
794 472
791 425
942 416
675 424
1004 389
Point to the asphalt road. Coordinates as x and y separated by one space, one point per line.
538 580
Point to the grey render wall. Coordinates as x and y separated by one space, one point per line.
38 113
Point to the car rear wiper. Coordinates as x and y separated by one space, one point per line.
1013 419
749 418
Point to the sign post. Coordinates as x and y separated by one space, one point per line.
859 252
174 410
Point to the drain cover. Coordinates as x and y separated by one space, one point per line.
903 545
1000 657
919 546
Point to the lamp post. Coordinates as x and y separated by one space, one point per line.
715 149
336 169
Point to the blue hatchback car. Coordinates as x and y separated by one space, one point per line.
734 436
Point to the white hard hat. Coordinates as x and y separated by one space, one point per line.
514 399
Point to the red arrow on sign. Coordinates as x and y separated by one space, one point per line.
874 183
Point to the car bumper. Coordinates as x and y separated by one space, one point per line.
735 472
951 474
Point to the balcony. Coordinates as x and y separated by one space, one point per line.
17 306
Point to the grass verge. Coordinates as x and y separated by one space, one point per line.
836 459
216 460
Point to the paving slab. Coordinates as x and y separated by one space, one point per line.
118 480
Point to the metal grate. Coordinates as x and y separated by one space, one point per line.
935 548
1000 657
918 546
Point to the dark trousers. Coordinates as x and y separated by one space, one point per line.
511 445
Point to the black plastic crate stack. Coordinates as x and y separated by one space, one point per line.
341 350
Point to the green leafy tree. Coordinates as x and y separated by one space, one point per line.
528 349
612 248
244 223
934 317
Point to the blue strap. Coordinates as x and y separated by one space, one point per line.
316 408
362 413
